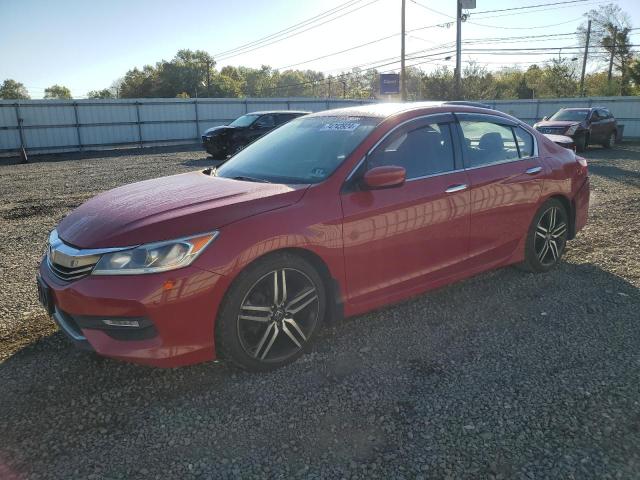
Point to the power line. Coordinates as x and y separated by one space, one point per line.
295 33
528 27
529 6
291 28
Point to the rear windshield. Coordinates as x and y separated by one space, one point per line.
570 115
305 150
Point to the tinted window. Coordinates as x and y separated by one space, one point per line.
525 142
304 150
487 142
425 150
265 121
603 113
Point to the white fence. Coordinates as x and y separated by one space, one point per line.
43 126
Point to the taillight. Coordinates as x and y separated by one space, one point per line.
582 161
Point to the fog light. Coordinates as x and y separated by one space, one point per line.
122 323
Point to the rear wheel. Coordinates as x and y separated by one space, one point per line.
271 313
547 237
610 141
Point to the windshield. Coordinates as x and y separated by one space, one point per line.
305 150
244 121
570 115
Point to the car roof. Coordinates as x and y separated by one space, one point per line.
385 110
266 112
580 108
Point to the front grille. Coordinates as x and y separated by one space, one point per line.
553 130
69 273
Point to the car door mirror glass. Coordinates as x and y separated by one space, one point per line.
384 177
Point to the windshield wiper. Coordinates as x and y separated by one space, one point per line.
251 179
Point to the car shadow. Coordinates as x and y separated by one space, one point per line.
62 407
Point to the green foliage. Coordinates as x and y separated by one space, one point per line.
105 93
12 90
58 92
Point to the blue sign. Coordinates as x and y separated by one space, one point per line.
389 83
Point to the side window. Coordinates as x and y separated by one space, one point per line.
595 116
487 142
265 121
525 142
283 118
424 150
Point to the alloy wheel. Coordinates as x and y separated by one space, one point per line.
278 315
550 237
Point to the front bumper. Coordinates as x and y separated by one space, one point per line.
175 313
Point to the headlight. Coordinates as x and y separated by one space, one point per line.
154 257
572 129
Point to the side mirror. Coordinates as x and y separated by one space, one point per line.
545 118
384 177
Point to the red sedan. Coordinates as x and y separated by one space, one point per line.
335 213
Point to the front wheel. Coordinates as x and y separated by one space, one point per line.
271 313
610 141
547 237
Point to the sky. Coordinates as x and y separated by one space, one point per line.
86 45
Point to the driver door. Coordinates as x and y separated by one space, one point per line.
398 240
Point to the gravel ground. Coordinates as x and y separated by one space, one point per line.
506 375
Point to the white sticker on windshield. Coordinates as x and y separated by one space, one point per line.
340 126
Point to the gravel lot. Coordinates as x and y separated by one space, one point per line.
507 375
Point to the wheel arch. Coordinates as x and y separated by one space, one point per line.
335 303
569 206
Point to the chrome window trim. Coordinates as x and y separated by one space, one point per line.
505 121
384 137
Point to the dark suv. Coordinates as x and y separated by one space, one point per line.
584 125
225 140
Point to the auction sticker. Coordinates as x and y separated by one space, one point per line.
340 126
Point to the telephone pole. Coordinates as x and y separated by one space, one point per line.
403 77
584 59
613 52
458 85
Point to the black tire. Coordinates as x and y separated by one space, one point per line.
582 142
610 141
537 258
255 339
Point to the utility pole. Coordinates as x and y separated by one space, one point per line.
584 59
613 52
458 85
403 77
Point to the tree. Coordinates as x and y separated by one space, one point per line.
477 82
12 90
607 21
57 92
438 85
105 93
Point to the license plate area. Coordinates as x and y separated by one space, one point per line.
44 295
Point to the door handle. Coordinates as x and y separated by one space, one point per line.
533 170
456 188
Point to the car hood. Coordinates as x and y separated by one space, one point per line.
218 129
556 123
170 207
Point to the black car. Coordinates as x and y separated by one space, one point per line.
225 140
589 125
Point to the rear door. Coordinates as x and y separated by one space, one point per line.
506 177
398 239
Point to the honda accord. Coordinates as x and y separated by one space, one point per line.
331 215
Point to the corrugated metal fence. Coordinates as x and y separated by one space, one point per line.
44 126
